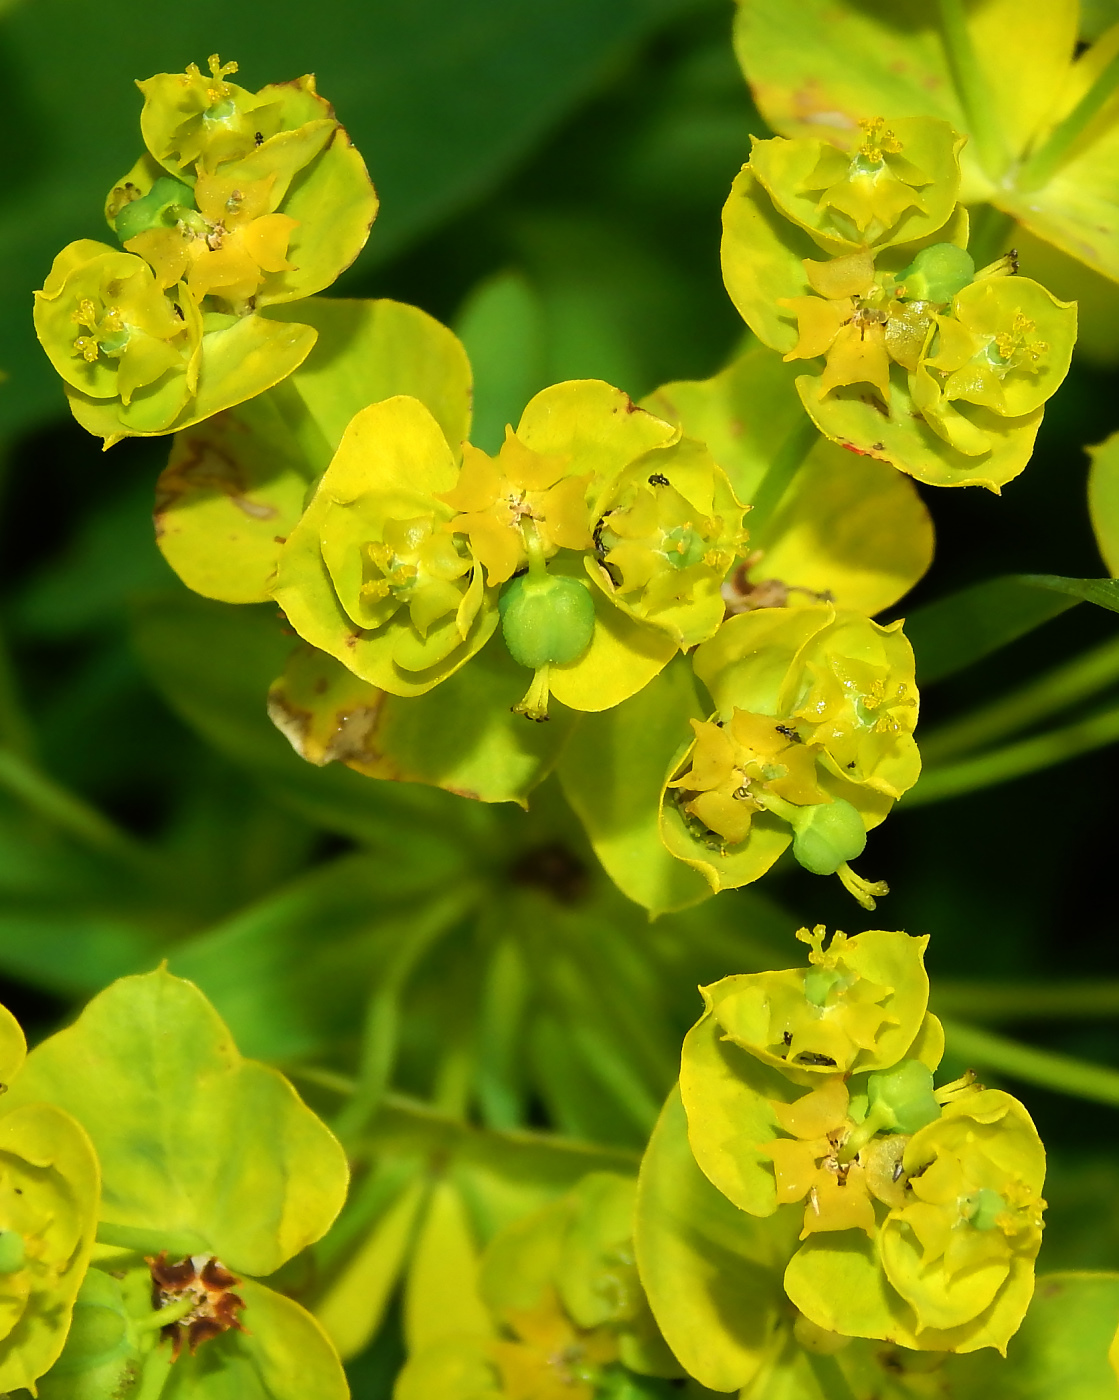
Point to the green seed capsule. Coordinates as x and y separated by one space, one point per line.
11 1251
937 273
901 1098
151 209
546 620
827 836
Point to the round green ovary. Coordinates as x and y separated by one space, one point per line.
937 273
828 836
546 621
901 1098
151 210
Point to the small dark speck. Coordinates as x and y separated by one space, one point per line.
657 480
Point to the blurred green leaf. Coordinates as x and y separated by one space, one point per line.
1060 1353
439 97
502 325
953 632
213 664
1103 499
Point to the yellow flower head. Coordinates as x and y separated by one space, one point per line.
227 247
497 498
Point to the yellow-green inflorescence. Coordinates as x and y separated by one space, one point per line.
597 536
858 259
812 1091
810 744
241 200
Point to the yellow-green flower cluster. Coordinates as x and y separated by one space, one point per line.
929 364
810 743
568 1316
242 200
598 536
919 1208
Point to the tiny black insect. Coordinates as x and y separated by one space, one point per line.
657 480
899 1171
810 1057
786 1037
259 138
788 731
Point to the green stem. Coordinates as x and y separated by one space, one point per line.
382 1021
1044 1068
1015 760
69 813
1027 1001
1039 168
828 1376
778 477
1057 690
975 92
165 1316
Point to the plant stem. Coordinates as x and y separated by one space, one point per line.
1039 168
1027 1001
70 813
778 477
1044 1068
975 93
1015 760
1055 691
827 1375
382 1020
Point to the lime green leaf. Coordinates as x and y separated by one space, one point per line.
13 1046
612 772
847 524
48 1201
368 351
462 736
441 1297
1059 1353
457 1369
352 1308
953 632
176 1143
1103 499
838 1283
762 261
712 1274
231 494
285 1355
502 326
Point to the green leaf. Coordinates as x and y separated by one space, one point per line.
214 665
952 633
1059 1353
442 1298
1103 499
502 326
192 1138
613 771
712 1274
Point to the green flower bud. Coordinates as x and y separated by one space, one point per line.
827 836
159 208
548 620
936 273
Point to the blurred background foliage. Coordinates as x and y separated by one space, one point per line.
551 178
